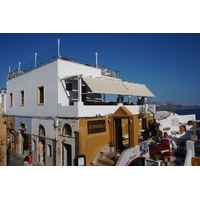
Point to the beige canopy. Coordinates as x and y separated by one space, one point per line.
138 89
106 86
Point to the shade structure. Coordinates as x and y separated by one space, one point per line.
138 89
106 86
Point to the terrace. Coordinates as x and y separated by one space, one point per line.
52 55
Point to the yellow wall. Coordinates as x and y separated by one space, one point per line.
0 106
195 161
3 135
89 143
136 126
3 132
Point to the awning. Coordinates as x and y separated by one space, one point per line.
106 86
138 89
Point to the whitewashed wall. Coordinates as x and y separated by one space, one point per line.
79 110
67 68
48 125
174 120
3 103
29 82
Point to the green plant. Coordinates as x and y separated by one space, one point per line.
127 146
152 145
156 157
111 144
142 111
165 133
170 107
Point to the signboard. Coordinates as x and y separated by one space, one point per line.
96 126
175 122
129 156
144 149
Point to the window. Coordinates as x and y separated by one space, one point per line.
21 98
49 151
11 99
69 86
41 95
67 130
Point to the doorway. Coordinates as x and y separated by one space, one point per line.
66 155
41 150
118 134
121 134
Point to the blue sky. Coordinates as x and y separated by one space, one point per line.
167 63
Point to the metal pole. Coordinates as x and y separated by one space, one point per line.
9 68
58 47
19 68
79 88
35 59
96 59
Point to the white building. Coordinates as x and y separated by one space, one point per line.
2 100
49 99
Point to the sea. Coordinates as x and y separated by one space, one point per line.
189 112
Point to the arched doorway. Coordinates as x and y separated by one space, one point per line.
41 144
66 148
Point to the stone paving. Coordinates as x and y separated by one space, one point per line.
15 159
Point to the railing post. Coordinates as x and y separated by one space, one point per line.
96 59
19 68
35 59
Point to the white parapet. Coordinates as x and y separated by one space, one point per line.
190 153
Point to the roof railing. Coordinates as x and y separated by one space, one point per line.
104 70
53 54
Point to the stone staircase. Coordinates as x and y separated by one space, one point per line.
109 160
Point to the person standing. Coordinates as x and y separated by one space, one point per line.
139 100
40 151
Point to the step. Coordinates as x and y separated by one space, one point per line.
105 161
111 154
99 164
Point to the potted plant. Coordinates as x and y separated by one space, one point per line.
127 146
165 135
152 145
142 112
111 144
156 157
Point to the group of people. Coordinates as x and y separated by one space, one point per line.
28 160
141 100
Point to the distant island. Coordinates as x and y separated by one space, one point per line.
161 106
